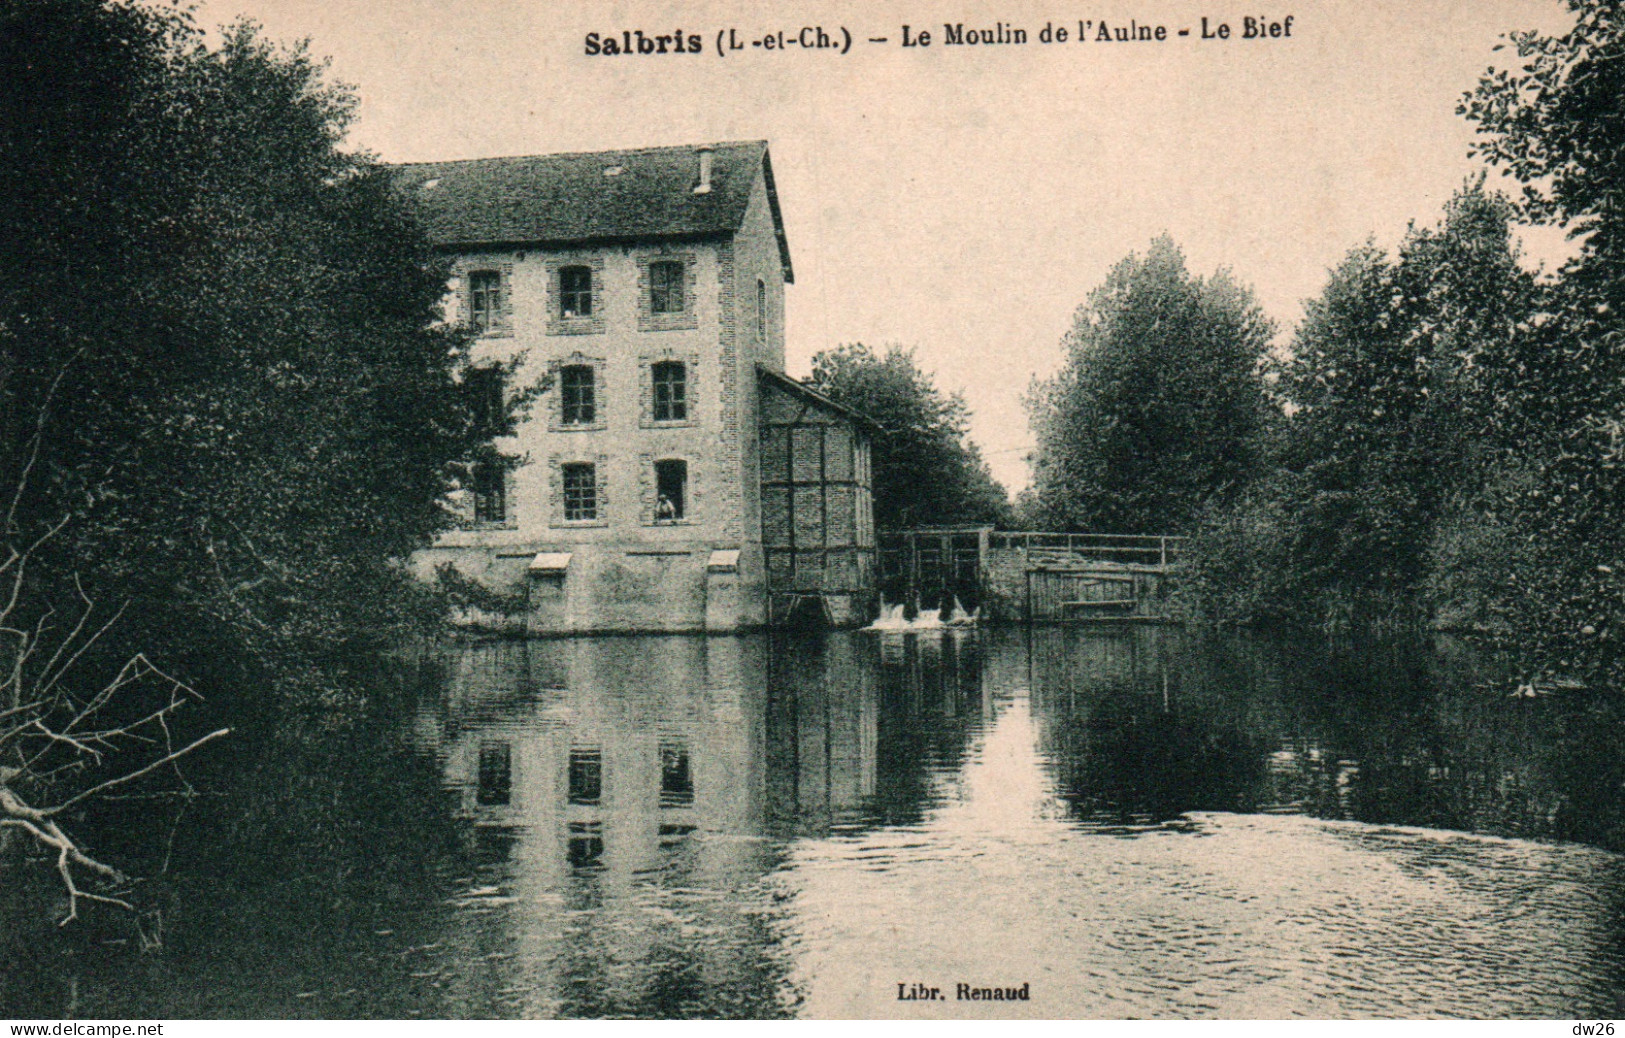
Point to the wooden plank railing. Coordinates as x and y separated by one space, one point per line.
1139 549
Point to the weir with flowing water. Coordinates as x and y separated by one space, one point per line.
1029 576
895 618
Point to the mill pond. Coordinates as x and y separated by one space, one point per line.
1120 822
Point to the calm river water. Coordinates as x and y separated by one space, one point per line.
1125 823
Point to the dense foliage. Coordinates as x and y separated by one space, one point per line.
1392 408
1158 408
1452 439
227 409
1556 122
218 331
925 470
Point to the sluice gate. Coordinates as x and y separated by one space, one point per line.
1030 576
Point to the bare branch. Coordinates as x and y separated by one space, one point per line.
34 442
75 743
51 673
68 855
132 776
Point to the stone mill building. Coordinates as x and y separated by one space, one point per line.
671 477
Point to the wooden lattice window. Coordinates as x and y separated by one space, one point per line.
666 287
485 300
575 291
671 489
490 492
485 397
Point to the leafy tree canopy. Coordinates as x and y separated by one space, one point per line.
1556 123
1401 392
926 470
225 400
1160 403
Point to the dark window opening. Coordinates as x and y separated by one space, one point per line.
670 379
580 493
671 489
676 780
586 846
666 287
578 397
485 397
586 776
496 774
490 480
575 292
485 300
761 311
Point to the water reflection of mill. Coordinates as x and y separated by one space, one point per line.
621 749
645 807
613 753
630 795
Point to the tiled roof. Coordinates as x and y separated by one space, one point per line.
810 395
576 198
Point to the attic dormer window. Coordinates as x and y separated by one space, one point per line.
575 292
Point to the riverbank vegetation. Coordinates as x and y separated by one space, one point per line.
226 402
1444 441
1157 411
926 470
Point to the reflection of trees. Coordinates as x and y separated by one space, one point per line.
1128 740
1129 759
1150 722
1399 732
1587 769
859 727
319 822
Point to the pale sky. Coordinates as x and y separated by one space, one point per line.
964 200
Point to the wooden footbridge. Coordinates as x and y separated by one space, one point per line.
1032 576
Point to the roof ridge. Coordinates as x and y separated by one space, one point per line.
798 385
580 154
558 197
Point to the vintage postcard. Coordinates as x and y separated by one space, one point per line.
1034 510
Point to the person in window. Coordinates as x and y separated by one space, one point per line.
665 511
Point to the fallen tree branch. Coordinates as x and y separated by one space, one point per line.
132 776
47 832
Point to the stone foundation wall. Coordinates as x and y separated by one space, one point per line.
609 588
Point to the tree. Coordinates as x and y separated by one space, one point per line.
1397 387
926 471
1158 408
227 406
1397 405
1556 122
